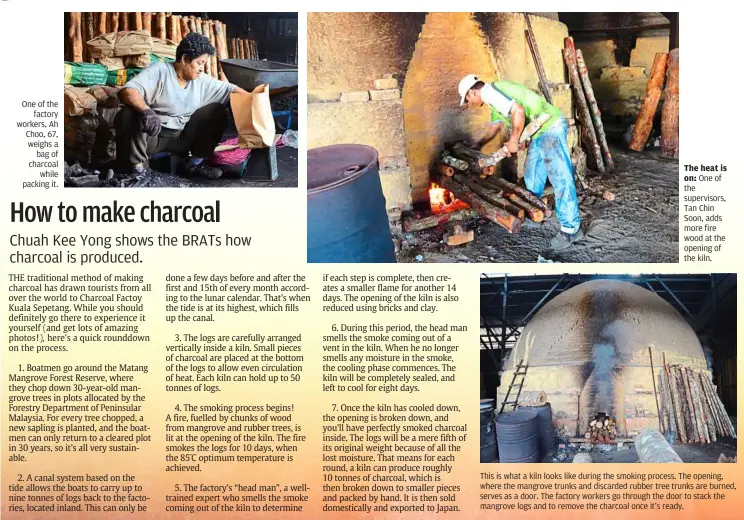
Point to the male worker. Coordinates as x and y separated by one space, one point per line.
176 108
548 157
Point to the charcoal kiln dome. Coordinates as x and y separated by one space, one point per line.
588 350
625 316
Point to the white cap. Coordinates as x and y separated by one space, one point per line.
466 84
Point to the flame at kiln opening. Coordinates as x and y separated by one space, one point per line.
443 201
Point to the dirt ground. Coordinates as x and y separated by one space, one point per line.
689 453
640 225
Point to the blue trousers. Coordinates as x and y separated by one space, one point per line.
548 158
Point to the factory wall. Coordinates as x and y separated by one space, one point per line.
619 87
346 53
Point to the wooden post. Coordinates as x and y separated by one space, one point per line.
504 219
645 120
160 27
138 22
114 22
594 109
198 24
670 110
192 25
75 36
123 21
569 55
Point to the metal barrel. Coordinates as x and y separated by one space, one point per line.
487 431
517 435
545 427
346 217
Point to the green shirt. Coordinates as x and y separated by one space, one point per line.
533 104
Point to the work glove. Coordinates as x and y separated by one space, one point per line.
150 122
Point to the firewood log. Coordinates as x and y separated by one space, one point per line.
161 29
670 109
223 35
419 224
147 22
220 40
184 26
645 120
445 170
705 411
114 22
490 195
582 110
102 24
701 426
171 22
90 33
594 110
687 401
523 193
75 36
214 58
673 406
497 215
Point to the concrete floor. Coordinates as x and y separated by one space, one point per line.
640 225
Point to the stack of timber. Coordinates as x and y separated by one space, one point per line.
691 410
587 108
83 27
602 429
493 198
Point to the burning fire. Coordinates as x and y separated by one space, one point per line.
443 201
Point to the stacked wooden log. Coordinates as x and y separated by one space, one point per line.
691 410
587 108
602 429
467 175
243 49
82 27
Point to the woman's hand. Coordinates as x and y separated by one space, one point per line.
150 122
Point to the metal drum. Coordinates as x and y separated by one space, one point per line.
487 431
346 217
545 427
517 435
